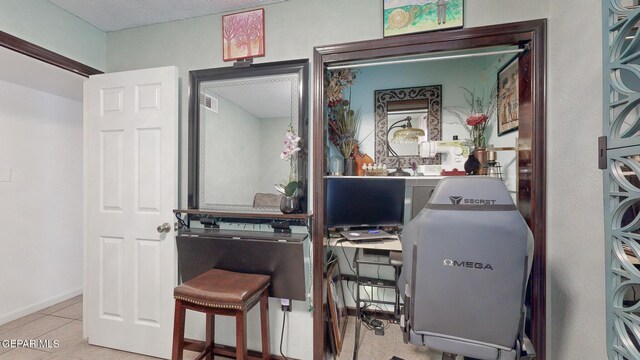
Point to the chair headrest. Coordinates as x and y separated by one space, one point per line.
477 191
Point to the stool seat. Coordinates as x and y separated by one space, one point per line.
223 289
226 293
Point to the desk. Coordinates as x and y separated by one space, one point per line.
386 245
280 256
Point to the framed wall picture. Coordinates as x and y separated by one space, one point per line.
508 102
337 306
411 16
243 35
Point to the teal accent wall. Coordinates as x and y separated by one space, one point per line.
44 24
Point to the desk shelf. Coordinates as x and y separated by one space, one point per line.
244 215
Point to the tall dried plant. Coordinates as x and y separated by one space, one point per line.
345 127
343 121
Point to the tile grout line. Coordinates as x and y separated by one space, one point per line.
17 327
62 308
65 324
65 317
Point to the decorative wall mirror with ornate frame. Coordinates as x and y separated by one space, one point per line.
530 36
423 104
238 118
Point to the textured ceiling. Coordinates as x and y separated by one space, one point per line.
112 15
264 97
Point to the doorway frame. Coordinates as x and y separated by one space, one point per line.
531 167
39 53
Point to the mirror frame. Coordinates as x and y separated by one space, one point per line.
197 77
432 94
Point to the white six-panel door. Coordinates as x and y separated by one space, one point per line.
130 188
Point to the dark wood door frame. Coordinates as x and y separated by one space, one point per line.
38 52
531 167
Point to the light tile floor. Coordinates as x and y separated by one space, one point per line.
62 322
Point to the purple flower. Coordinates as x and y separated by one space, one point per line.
290 145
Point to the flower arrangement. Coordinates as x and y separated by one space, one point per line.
476 115
290 186
335 82
343 121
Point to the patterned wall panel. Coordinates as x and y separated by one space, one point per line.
621 125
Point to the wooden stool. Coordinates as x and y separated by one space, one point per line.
220 292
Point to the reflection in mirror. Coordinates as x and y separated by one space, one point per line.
418 118
242 140
241 120
423 105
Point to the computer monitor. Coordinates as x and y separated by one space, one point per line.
364 202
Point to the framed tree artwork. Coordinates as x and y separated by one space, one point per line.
243 35
508 101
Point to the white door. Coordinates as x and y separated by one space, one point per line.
130 188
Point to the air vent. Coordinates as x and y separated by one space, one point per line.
209 102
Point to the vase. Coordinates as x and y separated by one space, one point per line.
337 165
289 204
349 167
472 165
481 155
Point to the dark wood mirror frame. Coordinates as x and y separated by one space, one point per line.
532 145
196 77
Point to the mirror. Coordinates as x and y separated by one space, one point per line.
238 120
423 105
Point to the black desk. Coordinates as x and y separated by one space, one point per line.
279 255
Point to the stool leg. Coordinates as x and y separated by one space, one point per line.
241 335
264 324
210 335
178 331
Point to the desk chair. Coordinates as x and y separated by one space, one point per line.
467 258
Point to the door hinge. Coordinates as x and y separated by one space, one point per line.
602 153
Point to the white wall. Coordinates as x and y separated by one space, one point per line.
272 169
575 246
41 206
575 284
233 141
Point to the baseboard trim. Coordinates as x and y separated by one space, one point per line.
38 306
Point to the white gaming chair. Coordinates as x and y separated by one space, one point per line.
467 258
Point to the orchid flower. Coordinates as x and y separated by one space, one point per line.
290 187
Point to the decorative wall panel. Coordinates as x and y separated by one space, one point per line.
622 176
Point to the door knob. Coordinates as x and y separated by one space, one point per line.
164 228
